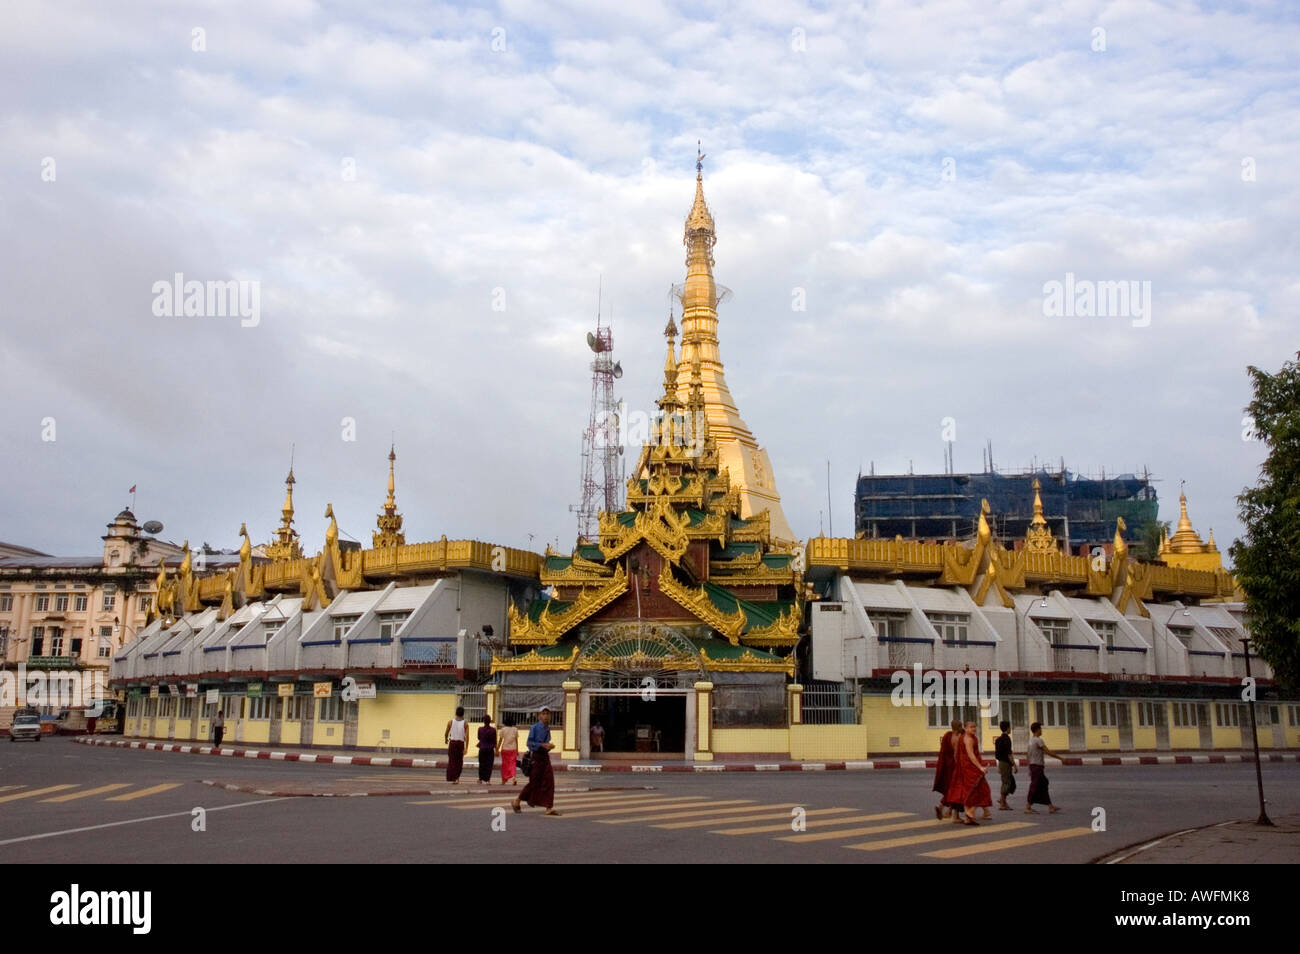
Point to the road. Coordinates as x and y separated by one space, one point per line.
67 803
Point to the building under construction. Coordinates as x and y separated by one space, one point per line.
1080 511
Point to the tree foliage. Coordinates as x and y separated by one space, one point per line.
1267 558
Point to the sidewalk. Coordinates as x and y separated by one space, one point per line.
1230 842
722 764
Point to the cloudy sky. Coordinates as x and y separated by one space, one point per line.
428 196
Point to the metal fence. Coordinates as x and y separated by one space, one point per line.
749 707
831 703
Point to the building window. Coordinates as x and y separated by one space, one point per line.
940 717
42 603
142 603
1185 715
79 603
953 628
6 602
1183 633
1104 715
1052 714
1055 630
1104 628
331 709
260 707
295 708
342 624
1151 714
61 603
1293 716
110 600
38 640
105 649
75 652
187 708
390 623
1227 716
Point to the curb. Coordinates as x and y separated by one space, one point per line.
678 767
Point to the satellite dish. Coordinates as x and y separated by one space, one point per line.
153 526
591 342
618 369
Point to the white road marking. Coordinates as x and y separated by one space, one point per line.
133 821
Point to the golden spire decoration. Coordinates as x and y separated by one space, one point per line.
1185 539
389 521
1039 536
285 546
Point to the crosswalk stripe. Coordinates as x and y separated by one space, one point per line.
152 790
509 796
73 796
768 816
872 830
647 812
693 811
715 813
967 831
583 802
1009 843
819 822
8 788
34 792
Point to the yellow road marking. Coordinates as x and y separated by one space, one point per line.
153 790
1009 843
819 822
647 811
73 796
966 832
704 823
509 796
706 813
873 830
590 802
34 792
6 788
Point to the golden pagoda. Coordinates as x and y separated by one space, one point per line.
1039 536
746 462
285 545
389 521
1185 549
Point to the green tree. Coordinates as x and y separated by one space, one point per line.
1267 559
1149 537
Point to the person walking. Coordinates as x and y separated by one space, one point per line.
456 736
540 790
1006 764
487 747
218 727
969 786
943 771
597 738
1039 793
508 749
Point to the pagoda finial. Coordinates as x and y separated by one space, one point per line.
1185 538
389 521
1039 535
285 545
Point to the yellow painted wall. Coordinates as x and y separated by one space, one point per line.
414 720
1056 739
1184 738
131 728
205 731
290 733
775 741
1144 737
884 721
257 731
828 742
1093 738
1229 737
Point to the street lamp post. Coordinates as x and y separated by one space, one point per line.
1254 738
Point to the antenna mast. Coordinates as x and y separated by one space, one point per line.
602 451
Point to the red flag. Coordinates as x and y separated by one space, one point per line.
132 490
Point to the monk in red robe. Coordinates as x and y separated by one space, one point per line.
969 786
943 771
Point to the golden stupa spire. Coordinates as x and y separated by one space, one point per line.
1039 536
1185 538
389 521
747 463
285 545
